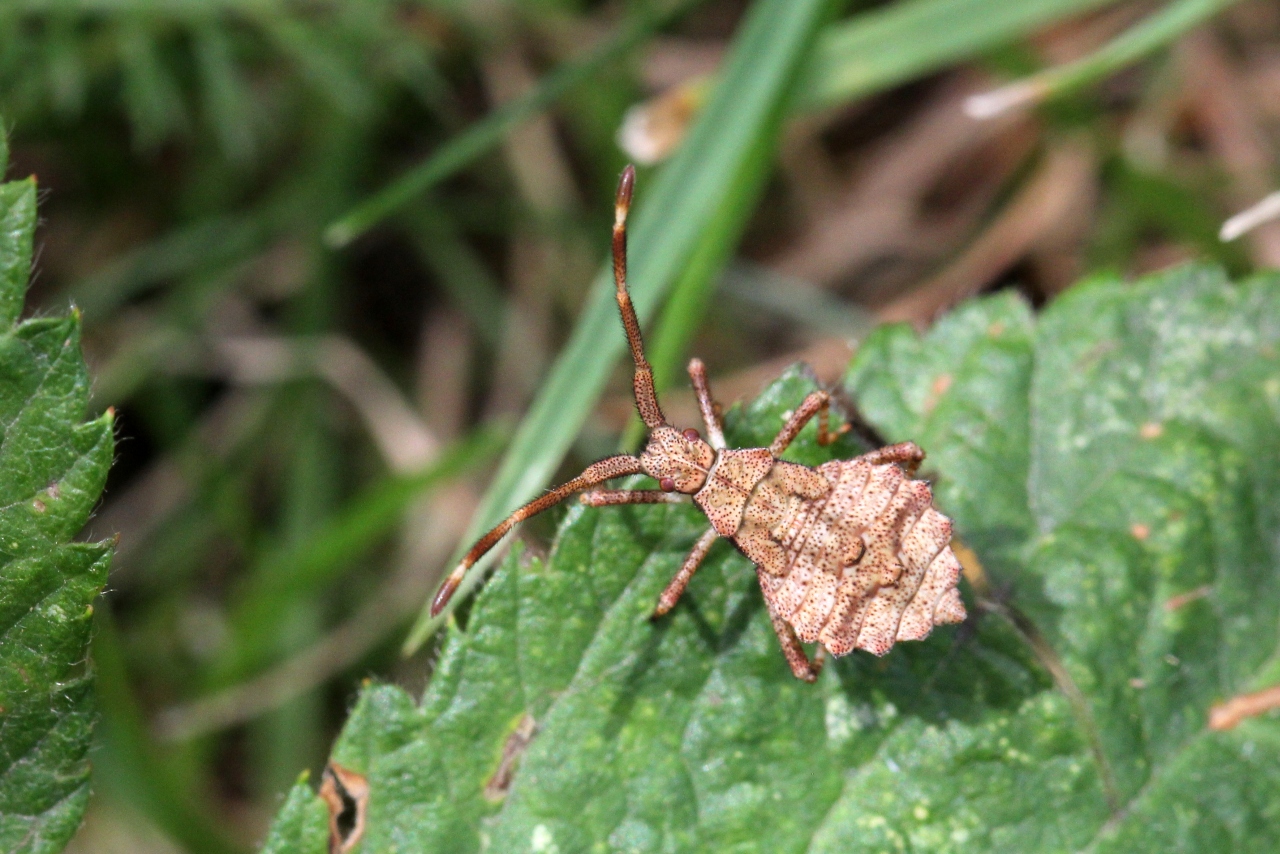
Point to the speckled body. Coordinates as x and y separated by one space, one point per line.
851 554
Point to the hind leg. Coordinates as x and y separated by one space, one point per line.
801 667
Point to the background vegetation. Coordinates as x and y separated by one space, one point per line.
335 266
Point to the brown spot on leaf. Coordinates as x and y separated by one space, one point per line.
517 743
1140 531
971 566
1151 430
1228 715
940 385
995 330
1176 602
38 506
346 794
1137 684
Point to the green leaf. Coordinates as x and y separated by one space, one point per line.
1153 473
17 228
301 827
1119 450
52 469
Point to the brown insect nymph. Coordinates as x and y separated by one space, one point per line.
850 554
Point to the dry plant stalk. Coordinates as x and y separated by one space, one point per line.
1229 715
850 554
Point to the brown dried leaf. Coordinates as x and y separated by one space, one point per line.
346 794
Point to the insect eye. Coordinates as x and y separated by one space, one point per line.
667 484
692 435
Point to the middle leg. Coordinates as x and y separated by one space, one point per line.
675 589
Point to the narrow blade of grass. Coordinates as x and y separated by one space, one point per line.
464 149
127 765
893 44
366 519
1140 40
691 295
675 214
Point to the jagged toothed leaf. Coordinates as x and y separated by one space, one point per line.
1152 561
1115 463
688 734
52 469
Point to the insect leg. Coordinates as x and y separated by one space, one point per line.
816 403
596 473
801 666
698 373
906 454
675 589
610 497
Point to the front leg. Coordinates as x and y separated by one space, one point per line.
816 403
675 589
613 497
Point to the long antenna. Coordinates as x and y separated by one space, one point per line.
646 397
646 402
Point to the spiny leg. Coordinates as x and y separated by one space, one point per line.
801 666
642 381
815 403
612 497
596 473
707 405
909 455
675 589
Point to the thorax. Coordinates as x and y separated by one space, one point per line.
733 478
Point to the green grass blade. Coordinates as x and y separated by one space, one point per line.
896 43
691 295
293 569
128 768
202 245
459 269
465 148
1141 40
675 214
